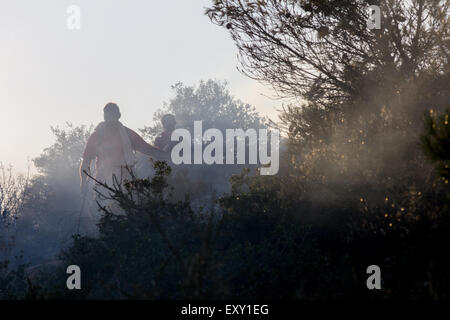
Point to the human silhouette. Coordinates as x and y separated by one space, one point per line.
163 141
113 146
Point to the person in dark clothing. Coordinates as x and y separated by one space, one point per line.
163 141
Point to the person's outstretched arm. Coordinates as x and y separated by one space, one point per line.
142 146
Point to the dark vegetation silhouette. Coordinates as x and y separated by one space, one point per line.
363 174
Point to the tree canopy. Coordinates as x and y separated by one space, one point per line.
323 50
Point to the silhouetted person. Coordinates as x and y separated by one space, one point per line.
163 141
113 147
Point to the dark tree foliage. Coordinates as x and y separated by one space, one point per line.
354 165
436 142
161 249
364 91
323 50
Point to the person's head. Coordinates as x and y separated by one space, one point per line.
168 122
111 112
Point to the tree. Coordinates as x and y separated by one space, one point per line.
59 163
51 204
323 50
355 162
209 101
365 90
436 142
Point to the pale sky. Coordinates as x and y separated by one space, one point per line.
127 51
